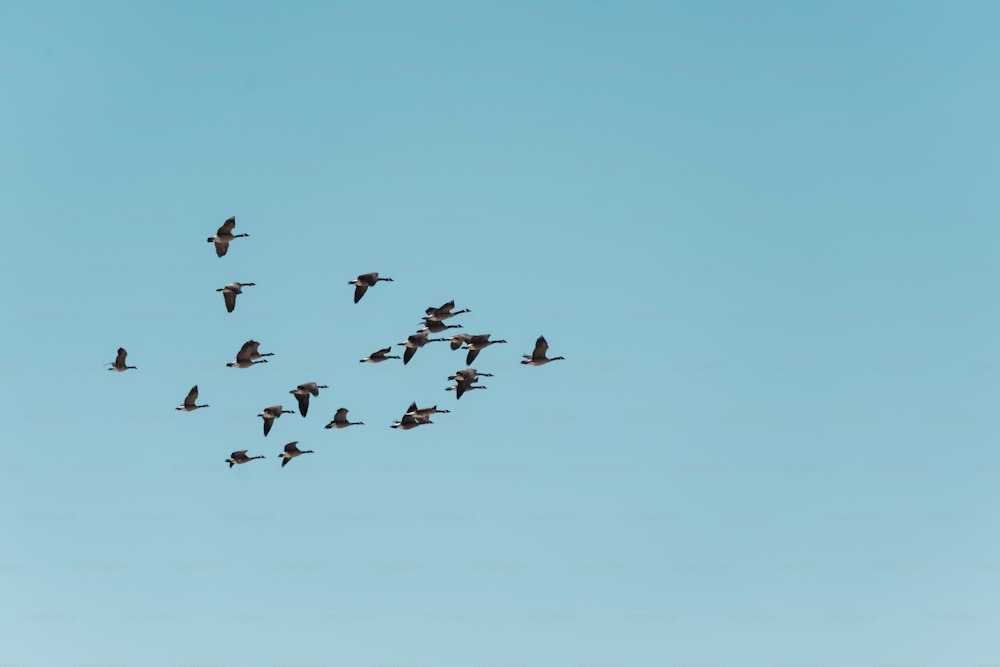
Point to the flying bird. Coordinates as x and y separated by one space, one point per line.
537 356
118 365
408 421
248 355
477 344
468 375
340 420
422 414
379 355
432 325
291 451
240 457
190 400
443 312
230 291
415 342
363 282
302 393
224 236
462 385
270 414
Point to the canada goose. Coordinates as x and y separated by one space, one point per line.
409 421
190 400
458 340
224 236
270 414
444 312
422 414
379 355
437 326
340 420
118 364
537 356
291 451
248 355
302 394
363 282
469 375
462 386
415 341
230 291
476 344
240 457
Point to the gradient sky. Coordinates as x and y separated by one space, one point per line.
764 238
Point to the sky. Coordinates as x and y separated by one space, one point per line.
763 238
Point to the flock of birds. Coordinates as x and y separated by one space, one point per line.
434 319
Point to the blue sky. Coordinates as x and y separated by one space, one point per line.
763 238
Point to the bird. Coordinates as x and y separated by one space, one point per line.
340 420
270 414
302 394
240 457
422 414
537 356
379 355
118 364
248 355
469 375
458 340
190 400
444 311
461 386
224 236
363 282
415 341
476 344
291 451
229 293
432 325
408 421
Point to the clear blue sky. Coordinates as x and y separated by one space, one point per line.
764 237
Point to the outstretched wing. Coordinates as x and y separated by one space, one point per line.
303 403
541 347
228 226
359 291
230 297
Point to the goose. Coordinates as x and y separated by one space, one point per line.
379 355
477 344
224 236
537 356
240 457
118 365
409 421
229 293
437 326
458 340
248 355
415 341
469 375
270 414
462 386
291 451
190 400
422 414
340 420
444 312
363 282
302 394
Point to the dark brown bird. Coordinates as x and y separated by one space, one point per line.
302 393
190 400
363 282
270 414
537 356
291 451
444 312
229 293
248 355
477 344
240 457
118 365
415 342
340 420
224 236
379 355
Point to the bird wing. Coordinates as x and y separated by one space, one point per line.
541 347
471 356
359 291
408 354
292 447
245 351
303 403
227 226
311 387
120 359
230 297
192 396
268 423
340 416
221 248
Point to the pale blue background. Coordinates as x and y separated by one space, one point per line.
764 236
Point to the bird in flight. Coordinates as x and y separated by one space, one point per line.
363 282
224 236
